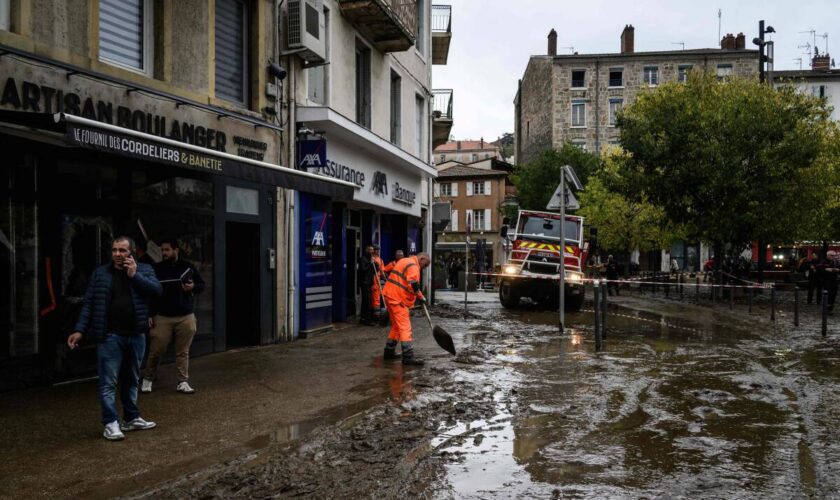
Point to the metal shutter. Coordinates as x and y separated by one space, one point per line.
121 32
231 50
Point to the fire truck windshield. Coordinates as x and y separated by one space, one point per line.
545 228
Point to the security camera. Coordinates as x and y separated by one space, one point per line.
277 71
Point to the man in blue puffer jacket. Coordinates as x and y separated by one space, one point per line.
115 315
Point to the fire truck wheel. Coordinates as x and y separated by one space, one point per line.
508 296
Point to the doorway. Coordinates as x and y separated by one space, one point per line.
351 257
242 289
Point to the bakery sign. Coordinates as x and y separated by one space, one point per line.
41 89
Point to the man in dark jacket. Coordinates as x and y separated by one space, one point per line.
173 315
115 315
612 272
366 273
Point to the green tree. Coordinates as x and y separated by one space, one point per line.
731 161
624 223
505 143
537 180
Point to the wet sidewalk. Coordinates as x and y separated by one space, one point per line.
51 439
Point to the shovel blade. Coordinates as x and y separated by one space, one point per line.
443 339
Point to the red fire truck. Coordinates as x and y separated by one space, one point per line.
532 264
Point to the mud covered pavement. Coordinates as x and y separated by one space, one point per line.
682 402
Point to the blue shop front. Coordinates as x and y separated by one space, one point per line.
332 235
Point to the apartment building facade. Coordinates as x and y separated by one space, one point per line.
576 98
466 151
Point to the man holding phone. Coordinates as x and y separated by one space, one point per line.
115 315
174 315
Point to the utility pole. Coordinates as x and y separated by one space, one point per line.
761 51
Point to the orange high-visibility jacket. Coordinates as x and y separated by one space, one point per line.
390 267
401 280
379 266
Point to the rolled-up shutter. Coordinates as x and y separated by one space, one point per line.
232 50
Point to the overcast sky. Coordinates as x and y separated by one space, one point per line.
493 39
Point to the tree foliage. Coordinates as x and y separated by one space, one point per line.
732 161
537 180
624 223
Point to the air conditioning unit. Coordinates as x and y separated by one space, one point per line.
307 36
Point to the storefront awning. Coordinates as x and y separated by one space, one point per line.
75 131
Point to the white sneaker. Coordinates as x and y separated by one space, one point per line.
185 388
113 432
146 386
138 424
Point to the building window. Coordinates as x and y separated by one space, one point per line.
420 36
616 77
682 72
724 71
578 78
362 84
232 50
478 187
5 14
818 90
446 189
419 129
580 144
486 155
474 157
317 76
478 222
578 113
125 33
652 75
396 114
615 107
442 158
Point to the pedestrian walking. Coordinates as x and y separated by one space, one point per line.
612 271
375 289
115 315
365 275
827 271
401 292
174 316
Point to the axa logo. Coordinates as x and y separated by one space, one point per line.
311 160
318 239
380 183
412 248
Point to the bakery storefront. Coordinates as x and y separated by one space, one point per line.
86 159
332 234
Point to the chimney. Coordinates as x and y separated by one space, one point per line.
728 42
458 145
627 39
821 62
482 143
740 42
552 42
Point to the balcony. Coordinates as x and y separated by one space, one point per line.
441 116
441 33
390 25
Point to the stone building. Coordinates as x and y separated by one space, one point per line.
575 98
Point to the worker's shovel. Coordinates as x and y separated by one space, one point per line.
441 337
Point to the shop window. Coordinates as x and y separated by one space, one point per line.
173 191
232 52
19 263
243 201
125 33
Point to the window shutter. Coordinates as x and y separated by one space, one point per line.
437 189
487 187
469 188
454 189
121 32
231 46
453 224
487 224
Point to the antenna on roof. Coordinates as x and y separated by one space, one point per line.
799 60
571 49
813 34
824 36
679 43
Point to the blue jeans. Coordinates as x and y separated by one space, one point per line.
119 359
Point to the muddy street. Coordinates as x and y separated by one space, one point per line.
683 401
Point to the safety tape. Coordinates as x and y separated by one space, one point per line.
636 282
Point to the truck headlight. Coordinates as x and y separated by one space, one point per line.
574 277
511 270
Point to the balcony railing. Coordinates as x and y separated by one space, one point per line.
391 25
442 104
441 33
441 19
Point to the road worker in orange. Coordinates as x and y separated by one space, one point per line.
398 256
401 291
375 295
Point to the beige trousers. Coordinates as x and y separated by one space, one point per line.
183 328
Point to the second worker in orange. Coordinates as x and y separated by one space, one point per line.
401 291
